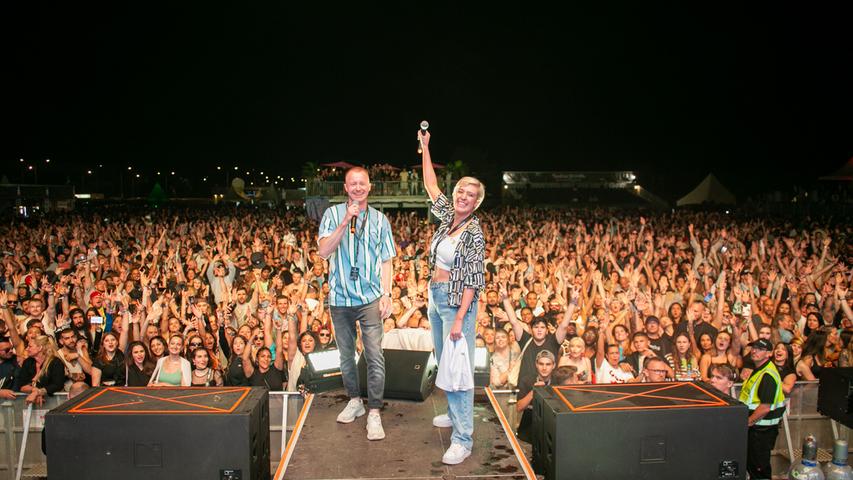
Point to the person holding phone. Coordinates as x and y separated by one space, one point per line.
357 241
456 259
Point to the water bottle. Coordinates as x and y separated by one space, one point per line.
838 469
808 468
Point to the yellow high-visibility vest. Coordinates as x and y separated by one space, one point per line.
749 393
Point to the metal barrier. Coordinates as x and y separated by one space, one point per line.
802 418
284 410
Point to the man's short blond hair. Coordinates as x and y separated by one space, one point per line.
355 170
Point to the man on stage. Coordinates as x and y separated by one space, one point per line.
357 241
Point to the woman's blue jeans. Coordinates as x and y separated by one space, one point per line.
460 405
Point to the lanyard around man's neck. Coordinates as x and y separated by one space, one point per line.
360 233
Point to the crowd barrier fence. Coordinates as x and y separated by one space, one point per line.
801 419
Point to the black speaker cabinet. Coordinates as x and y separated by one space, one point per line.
145 433
835 394
409 374
638 431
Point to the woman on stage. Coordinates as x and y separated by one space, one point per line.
456 261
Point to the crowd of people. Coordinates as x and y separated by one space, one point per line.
396 180
379 172
239 297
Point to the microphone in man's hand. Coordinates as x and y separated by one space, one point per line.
424 127
352 222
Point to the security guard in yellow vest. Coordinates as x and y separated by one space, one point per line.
762 394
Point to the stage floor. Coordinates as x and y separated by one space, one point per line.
412 448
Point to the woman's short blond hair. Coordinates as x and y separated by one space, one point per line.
481 193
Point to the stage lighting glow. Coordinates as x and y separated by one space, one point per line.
481 358
432 361
325 360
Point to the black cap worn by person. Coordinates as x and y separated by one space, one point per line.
258 260
652 318
762 344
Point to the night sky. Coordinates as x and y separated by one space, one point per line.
672 92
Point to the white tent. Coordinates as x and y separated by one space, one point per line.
709 191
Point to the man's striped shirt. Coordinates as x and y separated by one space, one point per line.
375 246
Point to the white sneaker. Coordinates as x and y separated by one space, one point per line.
353 410
374 427
456 454
442 421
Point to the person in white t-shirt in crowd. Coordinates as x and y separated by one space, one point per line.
607 357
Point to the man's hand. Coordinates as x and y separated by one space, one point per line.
384 307
352 211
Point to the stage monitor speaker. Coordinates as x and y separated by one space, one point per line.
835 395
322 371
143 433
409 374
638 431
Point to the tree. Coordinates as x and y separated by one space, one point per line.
457 168
309 170
157 196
